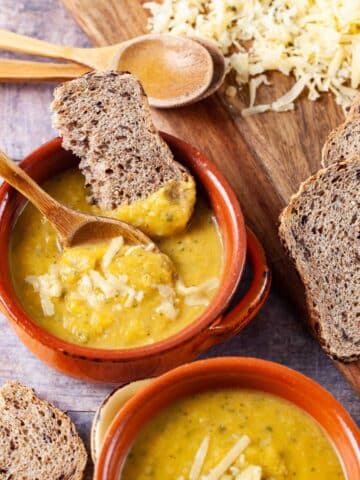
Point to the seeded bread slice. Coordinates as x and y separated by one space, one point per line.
105 119
37 441
342 142
354 110
320 229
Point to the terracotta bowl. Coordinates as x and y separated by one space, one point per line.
214 325
232 372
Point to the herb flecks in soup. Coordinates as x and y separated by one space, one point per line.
112 295
232 435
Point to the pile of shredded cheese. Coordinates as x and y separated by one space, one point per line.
233 466
317 41
75 278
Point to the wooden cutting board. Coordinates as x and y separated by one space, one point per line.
264 157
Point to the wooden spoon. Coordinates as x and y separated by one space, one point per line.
219 71
26 71
174 70
73 227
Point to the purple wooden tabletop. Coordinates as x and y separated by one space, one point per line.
275 334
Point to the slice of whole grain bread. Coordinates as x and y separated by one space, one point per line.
37 441
342 142
105 119
320 229
354 109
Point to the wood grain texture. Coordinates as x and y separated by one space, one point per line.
275 334
24 117
109 21
265 157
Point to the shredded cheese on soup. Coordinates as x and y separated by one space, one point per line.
233 466
102 275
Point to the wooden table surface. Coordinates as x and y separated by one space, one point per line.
275 334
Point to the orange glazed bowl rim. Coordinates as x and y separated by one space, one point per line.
229 372
233 233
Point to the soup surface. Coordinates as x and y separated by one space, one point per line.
162 213
135 297
275 439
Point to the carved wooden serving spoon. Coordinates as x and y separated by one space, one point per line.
26 71
174 70
73 227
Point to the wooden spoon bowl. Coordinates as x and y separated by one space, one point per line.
174 70
73 227
219 71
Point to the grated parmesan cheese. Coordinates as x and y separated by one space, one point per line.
233 465
355 66
318 42
81 278
253 472
132 249
167 306
199 294
229 458
47 286
199 460
231 91
114 247
92 286
254 84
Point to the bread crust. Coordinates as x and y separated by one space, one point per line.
354 110
344 140
37 440
289 243
105 119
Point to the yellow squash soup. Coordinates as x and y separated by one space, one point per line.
232 435
114 295
161 214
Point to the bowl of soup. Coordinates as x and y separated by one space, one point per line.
231 419
113 313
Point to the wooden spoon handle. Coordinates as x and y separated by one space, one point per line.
20 43
94 58
20 71
20 180
59 216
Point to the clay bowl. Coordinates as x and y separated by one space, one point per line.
231 372
217 323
